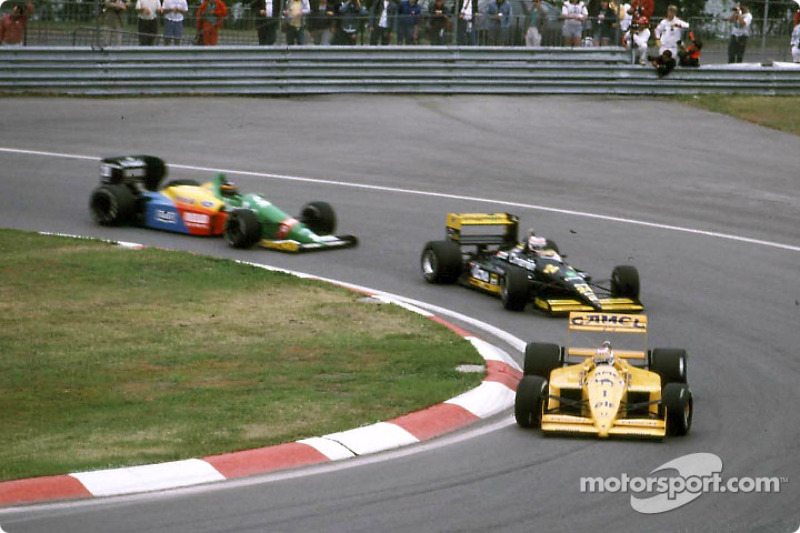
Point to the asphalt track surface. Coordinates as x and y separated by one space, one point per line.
718 256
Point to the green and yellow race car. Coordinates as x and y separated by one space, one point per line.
604 390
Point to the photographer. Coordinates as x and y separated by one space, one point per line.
637 38
741 19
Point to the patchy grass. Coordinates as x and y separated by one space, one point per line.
777 112
112 357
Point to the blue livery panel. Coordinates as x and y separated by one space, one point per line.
161 213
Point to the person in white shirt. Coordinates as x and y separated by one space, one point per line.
795 42
148 21
573 13
636 38
465 34
173 11
668 32
741 19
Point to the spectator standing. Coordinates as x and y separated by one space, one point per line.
625 18
574 14
294 14
637 38
668 32
352 16
500 19
112 21
535 17
382 21
12 25
795 42
320 22
210 16
267 20
408 19
148 10
606 24
741 19
174 12
465 34
438 22
641 8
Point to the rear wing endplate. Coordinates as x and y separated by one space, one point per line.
483 228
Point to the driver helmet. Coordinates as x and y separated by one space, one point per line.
228 188
604 354
535 244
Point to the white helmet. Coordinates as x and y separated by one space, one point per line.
604 354
535 244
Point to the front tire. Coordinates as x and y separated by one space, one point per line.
531 393
319 217
441 262
515 289
242 228
112 205
677 399
625 282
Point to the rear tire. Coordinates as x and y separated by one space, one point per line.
670 364
625 282
319 217
515 289
677 399
242 228
531 392
156 171
441 262
541 358
112 205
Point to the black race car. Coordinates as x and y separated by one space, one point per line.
482 251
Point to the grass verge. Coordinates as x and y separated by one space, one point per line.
777 112
111 357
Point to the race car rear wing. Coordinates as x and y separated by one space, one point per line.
483 229
595 322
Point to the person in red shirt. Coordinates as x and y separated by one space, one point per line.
12 25
642 8
210 15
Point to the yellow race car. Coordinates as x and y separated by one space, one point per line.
604 390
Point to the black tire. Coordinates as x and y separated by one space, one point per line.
242 228
531 392
625 282
319 217
156 170
670 364
441 262
175 183
541 358
515 290
677 399
112 205
551 245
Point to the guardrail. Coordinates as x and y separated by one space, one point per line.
251 70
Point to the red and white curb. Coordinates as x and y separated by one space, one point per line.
494 395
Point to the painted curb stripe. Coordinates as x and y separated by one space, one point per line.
488 399
251 462
61 487
148 477
435 420
372 439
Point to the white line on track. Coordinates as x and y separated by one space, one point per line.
365 186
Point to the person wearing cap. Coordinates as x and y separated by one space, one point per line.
636 38
741 20
668 32
12 25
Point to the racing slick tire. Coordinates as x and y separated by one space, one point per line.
175 183
156 170
551 245
515 290
677 398
670 364
625 282
319 217
541 358
441 262
531 392
112 205
242 228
